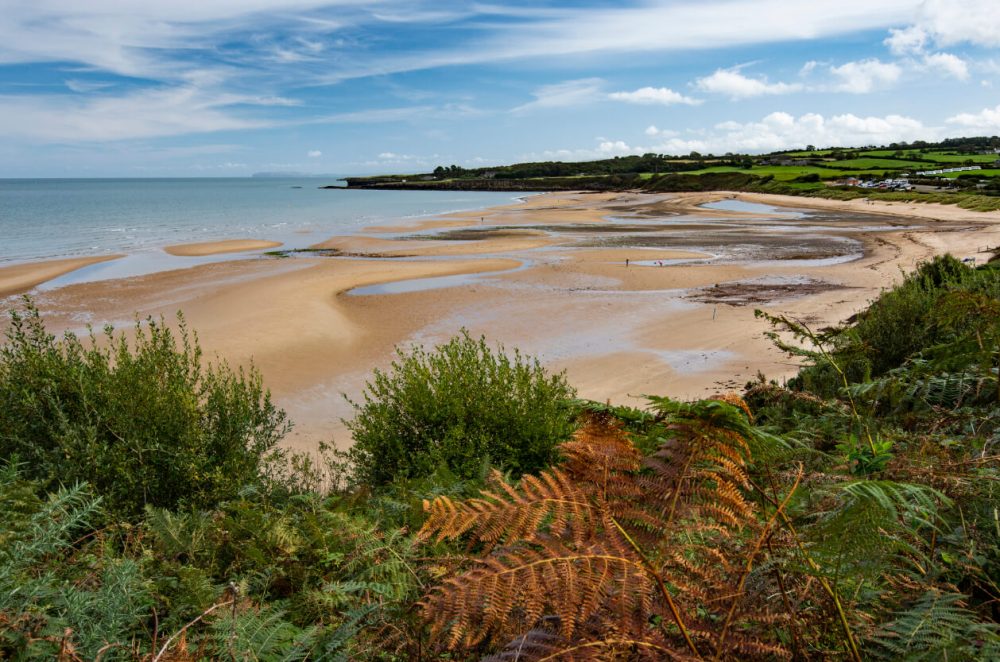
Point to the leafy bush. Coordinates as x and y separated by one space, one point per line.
460 407
922 313
143 422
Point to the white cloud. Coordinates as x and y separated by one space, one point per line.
314 154
689 24
808 68
617 148
780 130
604 149
661 96
653 131
156 40
85 86
395 157
774 132
986 121
158 112
274 101
947 63
737 86
563 95
865 76
947 22
907 41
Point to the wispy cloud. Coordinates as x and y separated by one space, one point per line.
563 95
143 114
659 96
85 86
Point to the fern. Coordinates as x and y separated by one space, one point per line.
871 526
938 626
260 634
610 543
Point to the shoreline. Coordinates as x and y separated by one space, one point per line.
203 248
23 277
546 275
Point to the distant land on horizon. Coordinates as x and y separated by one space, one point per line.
964 171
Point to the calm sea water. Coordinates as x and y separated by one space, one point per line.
54 218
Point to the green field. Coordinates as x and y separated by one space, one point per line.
937 157
876 163
818 152
787 173
783 173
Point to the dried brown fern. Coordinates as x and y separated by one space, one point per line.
550 502
612 557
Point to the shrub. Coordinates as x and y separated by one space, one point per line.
462 406
901 323
143 422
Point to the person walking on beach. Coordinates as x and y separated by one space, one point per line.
626 263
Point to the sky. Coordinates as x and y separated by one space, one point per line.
197 88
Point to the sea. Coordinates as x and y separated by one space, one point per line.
43 219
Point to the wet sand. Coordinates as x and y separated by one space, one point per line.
547 276
218 247
20 278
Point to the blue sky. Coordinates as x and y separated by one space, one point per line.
231 87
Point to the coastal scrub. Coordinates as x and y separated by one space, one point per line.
142 421
461 407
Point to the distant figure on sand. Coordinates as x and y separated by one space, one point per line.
626 263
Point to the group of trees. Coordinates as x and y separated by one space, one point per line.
619 165
147 511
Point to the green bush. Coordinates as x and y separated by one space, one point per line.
460 407
141 421
902 323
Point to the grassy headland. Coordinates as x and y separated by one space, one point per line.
829 173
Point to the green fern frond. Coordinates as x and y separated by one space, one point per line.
263 634
938 626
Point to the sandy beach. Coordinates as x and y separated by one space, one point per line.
218 247
547 275
20 278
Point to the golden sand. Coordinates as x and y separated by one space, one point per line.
218 247
20 278
619 331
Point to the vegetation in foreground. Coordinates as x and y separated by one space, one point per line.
850 514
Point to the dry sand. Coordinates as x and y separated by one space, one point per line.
548 276
217 247
20 278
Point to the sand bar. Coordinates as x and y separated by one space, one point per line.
218 247
557 287
20 278
509 242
